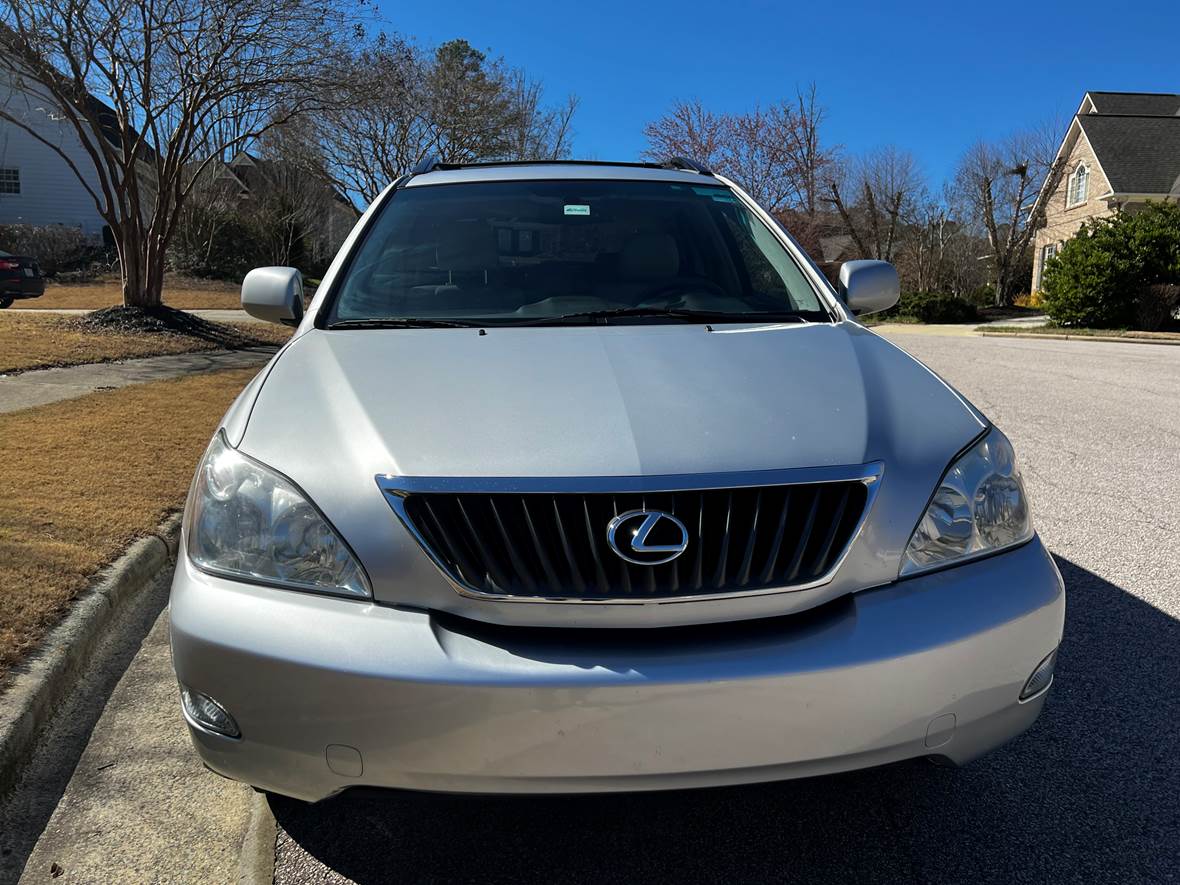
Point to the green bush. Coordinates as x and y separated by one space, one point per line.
1114 272
932 307
981 296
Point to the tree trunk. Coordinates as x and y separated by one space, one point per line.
153 290
1003 283
142 269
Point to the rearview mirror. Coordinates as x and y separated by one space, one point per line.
274 294
869 286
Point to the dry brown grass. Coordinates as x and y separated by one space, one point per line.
180 292
28 342
82 478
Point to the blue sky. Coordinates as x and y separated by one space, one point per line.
929 77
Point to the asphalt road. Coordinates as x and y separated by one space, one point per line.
1090 794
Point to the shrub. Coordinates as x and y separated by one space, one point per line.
1156 305
981 296
932 307
1117 272
56 247
224 243
217 245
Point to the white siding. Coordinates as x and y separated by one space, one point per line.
50 191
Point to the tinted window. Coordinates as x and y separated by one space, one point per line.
518 251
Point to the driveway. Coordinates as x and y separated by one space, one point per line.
1090 794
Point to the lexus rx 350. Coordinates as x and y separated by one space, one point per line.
581 477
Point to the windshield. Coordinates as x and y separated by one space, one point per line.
531 252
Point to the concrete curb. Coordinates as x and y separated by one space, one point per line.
41 683
1107 338
257 863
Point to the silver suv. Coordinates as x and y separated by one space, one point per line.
580 477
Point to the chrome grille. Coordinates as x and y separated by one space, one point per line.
531 544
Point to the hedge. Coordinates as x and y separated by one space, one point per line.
1121 272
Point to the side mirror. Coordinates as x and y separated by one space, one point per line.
869 286
274 294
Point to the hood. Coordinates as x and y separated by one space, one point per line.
340 407
600 400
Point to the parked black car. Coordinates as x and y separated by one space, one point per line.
20 277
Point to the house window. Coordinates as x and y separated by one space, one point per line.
1078 183
9 181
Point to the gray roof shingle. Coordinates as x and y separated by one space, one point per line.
1145 104
1140 155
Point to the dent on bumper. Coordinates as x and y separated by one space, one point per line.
333 693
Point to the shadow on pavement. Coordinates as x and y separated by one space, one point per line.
1091 793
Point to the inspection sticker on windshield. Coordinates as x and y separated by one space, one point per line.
576 210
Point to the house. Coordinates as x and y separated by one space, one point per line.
1122 149
323 216
37 185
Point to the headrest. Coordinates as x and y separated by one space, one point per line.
466 246
649 256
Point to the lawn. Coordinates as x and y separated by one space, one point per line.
28 341
84 477
185 293
182 292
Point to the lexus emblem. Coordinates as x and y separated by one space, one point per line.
647 537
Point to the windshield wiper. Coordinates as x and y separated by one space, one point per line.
403 323
684 313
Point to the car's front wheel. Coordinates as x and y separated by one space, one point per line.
6 301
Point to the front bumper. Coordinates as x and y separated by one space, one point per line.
333 693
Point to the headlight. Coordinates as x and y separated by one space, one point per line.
246 521
980 507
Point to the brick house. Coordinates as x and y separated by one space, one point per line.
1121 150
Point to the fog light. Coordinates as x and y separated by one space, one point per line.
207 713
1041 679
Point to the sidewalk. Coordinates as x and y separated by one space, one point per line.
957 330
139 806
43 386
1028 321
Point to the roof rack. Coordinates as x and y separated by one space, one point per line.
427 164
689 165
431 163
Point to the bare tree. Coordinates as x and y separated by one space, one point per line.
396 104
536 131
809 159
938 252
183 83
378 126
774 153
998 184
690 129
875 197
